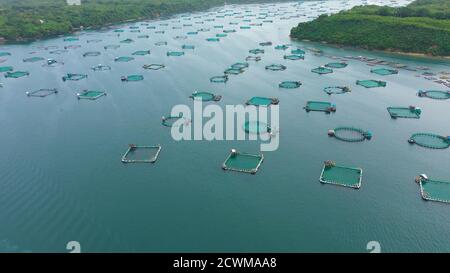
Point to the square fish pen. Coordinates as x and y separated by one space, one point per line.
434 190
341 176
141 154
243 162
262 101
320 106
153 66
371 83
42 93
16 74
384 71
91 94
404 112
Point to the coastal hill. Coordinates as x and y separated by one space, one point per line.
421 27
35 19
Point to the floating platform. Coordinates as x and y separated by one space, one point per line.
350 134
42 93
434 94
16 74
384 71
429 140
290 84
433 190
205 96
90 94
321 70
404 112
243 162
371 83
341 176
276 67
336 90
320 106
141 154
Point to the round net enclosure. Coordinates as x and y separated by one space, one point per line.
141 154
33 59
350 134
242 162
191 47
127 41
262 101
153 66
175 53
74 77
253 58
219 79
281 47
276 67
205 96
298 51
320 106
429 140
321 70
123 59
290 84
239 65
111 47
371 83
132 78
384 71
213 39
16 74
434 190
101 67
91 54
6 69
404 112
336 65
90 94
192 33
169 121
434 94
340 175
42 93
256 51
229 30
256 127
294 57
141 53
336 90
233 71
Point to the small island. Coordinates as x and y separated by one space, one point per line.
422 27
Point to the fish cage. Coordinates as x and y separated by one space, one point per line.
72 47
93 41
70 39
3 54
239 65
153 66
143 36
229 31
256 127
101 67
371 83
90 94
42 93
321 70
180 37
433 190
188 47
213 39
16 74
276 67
58 51
336 90
33 59
175 53
281 47
141 154
253 58
256 51
74 77
405 112
289 84
123 59
298 51
384 71
219 79
243 162
170 121
245 27
221 35
127 41
192 33
233 71
341 175
161 43
205 96
434 94
429 140
336 65
6 69
91 54
141 53
265 44
350 134
118 30
294 57
132 78
320 106
111 47
262 101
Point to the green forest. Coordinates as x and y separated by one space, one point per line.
421 27
35 19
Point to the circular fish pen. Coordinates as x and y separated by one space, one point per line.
205 96
281 47
111 47
262 101
384 71
253 58
336 65
141 53
175 53
371 83
290 84
256 51
6 69
320 106
189 47
350 134
340 175
90 94
321 70
153 66
74 77
127 41
233 71
265 44
431 141
213 39
405 112
42 93
336 90
170 121
256 127
298 51
294 57
242 162
219 79
91 54
132 78
434 94
141 154
123 59
16 74
101 67
276 67
239 65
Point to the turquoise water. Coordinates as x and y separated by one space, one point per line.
62 178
